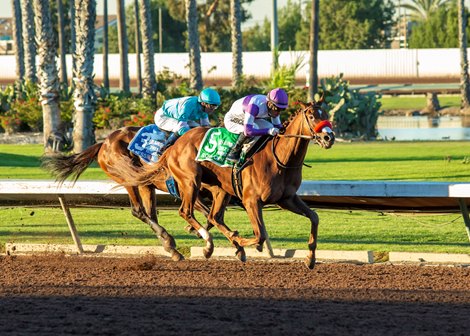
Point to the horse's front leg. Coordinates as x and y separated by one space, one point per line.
296 205
216 218
254 209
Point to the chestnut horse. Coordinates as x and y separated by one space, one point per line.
272 176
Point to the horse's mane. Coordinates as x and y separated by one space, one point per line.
294 114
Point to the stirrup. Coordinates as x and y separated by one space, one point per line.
233 157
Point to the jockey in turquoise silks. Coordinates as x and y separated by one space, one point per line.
178 115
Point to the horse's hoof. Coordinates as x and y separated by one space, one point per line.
241 255
259 247
309 262
207 251
176 256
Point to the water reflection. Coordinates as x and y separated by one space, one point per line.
424 128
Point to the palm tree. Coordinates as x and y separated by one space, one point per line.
137 46
313 69
73 37
84 95
62 47
237 66
29 44
149 83
48 74
421 9
105 46
464 78
123 46
19 53
195 75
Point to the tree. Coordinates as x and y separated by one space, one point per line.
19 53
214 23
49 81
290 18
105 46
173 30
84 94
440 30
149 82
62 46
464 78
28 40
350 24
235 23
313 69
138 49
421 10
73 39
123 44
195 76
257 38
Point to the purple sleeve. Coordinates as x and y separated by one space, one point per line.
251 111
251 131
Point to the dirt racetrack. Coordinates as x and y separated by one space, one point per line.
57 295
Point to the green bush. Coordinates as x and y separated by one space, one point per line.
354 114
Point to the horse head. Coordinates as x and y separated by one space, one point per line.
318 124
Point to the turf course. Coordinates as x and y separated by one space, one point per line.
347 229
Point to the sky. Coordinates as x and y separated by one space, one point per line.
259 9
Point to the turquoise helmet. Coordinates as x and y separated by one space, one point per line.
209 96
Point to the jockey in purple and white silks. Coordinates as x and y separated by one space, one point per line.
249 116
178 115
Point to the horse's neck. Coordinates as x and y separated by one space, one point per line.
291 151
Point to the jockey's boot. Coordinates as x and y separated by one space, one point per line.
170 141
234 154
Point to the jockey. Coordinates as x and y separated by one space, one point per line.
178 115
248 115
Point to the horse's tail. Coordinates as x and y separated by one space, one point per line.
62 166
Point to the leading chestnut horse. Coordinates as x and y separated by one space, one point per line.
272 176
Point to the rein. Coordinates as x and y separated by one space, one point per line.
312 136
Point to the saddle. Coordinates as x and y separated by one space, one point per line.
146 143
248 150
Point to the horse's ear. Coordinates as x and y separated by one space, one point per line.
319 99
301 103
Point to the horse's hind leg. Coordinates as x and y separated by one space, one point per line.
202 208
296 205
143 204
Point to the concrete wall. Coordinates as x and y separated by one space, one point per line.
365 64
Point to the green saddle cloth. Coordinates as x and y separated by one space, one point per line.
216 145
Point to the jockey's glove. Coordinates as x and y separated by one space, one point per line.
273 131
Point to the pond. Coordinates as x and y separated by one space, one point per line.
423 128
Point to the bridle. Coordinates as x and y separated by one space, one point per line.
314 135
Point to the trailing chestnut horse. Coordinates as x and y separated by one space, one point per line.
110 155
272 176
